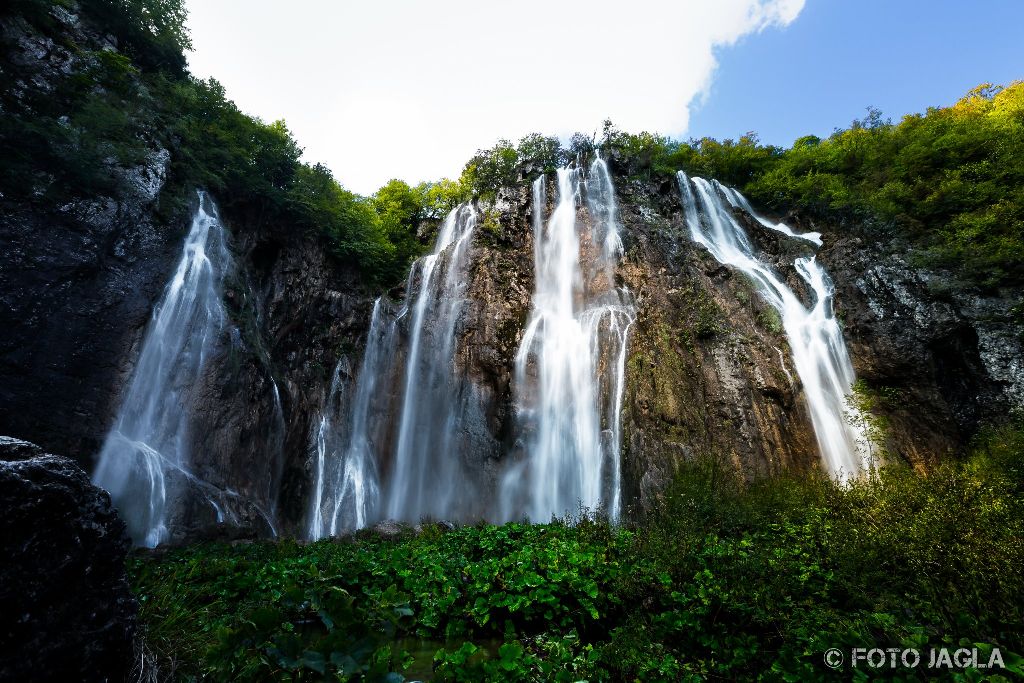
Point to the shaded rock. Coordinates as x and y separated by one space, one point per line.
66 611
949 358
15 449
390 528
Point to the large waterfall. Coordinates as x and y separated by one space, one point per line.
144 462
414 436
569 371
345 486
815 338
424 480
393 446
399 442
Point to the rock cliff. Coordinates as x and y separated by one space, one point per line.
66 611
708 373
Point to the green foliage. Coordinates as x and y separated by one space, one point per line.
950 181
105 113
403 211
152 32
721 580
500 166
76 135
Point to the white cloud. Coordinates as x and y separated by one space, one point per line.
399 88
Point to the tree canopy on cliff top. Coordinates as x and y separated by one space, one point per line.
949 181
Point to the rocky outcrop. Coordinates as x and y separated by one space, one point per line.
708 369
294 314
937 359
709 372
77 280
78 283
66 611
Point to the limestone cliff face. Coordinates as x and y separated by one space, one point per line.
78 284
294 314
940 360
708 369
76 279
79 289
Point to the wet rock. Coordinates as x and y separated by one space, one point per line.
66 611
949 357
390 528
77 281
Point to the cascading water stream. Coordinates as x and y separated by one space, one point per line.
346 488
570 367
424 481
815 338
148 445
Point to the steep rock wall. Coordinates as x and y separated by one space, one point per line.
708 369
938 361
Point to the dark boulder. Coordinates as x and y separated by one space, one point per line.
66 610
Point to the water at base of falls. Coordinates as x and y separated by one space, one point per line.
145 457
819 352
570 367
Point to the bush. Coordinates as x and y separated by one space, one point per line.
114 107
722 579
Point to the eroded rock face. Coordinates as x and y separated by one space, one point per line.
77 281
66 611
948 358
294 313
708 367
709 372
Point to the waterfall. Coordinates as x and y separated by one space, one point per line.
570 366
145 457
352 438
345 488
815 338
425 481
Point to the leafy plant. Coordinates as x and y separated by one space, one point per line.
721 579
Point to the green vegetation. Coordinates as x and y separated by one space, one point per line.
949 181
104 115
722 580
872 405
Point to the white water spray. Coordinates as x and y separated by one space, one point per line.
424 481
346 489
815 338
147 448
570 367
411 441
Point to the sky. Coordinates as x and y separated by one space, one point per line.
840 57
405 89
